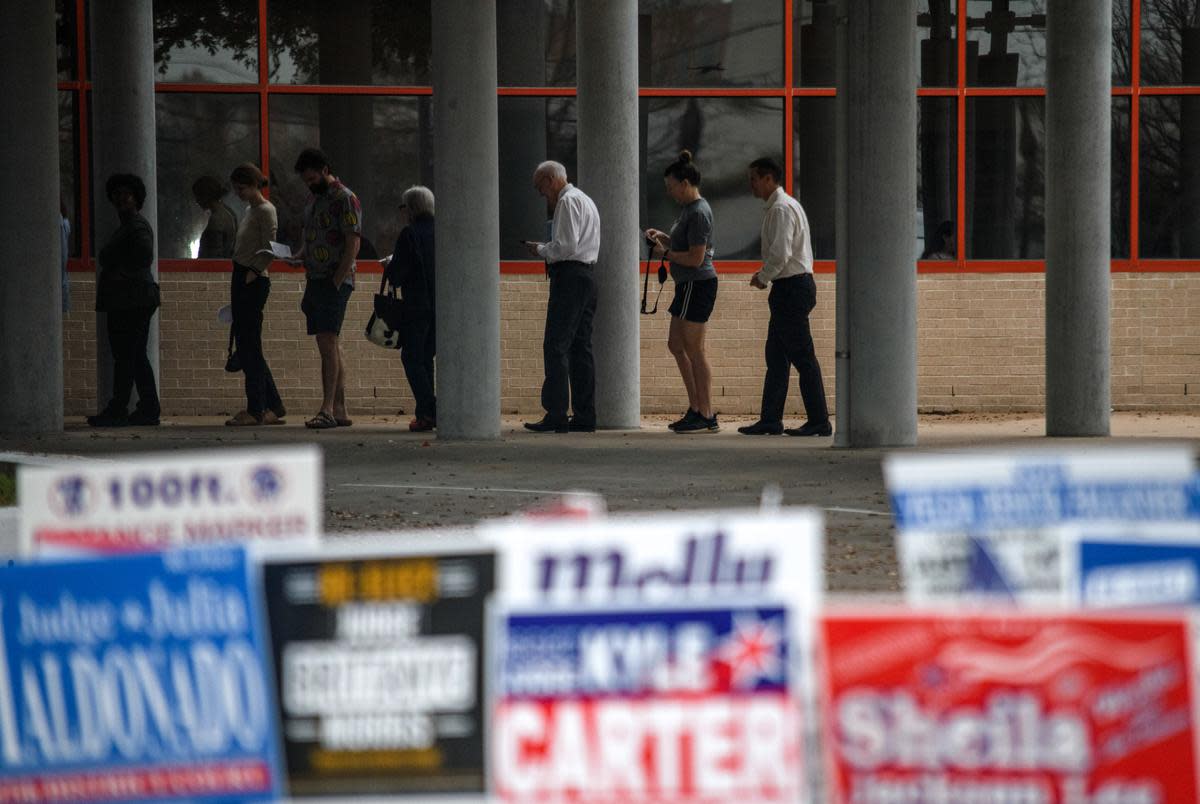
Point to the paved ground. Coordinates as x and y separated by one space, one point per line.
379 476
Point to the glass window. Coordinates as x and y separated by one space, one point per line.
1005 182
68 161
211 42
531 130
1169 177
1006 43
937 179
1170 42
724 136
64 18
1122 51
377 146
711 43
198 135
1120 177
535 43
937 47
814 43
814 182
354 42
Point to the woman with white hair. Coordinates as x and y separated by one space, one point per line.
411 269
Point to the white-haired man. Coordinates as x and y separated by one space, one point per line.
567 344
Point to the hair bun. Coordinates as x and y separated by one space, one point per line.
685 156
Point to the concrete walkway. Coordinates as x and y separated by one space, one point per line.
381 477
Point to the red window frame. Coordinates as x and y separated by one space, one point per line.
82 85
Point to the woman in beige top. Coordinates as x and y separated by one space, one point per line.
249 289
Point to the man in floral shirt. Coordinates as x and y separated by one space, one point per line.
332 234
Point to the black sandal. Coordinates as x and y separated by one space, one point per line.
322 421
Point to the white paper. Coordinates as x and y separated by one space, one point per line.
280 251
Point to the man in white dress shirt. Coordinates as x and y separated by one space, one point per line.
567 344
787 269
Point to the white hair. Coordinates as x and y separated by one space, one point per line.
554 170
418 199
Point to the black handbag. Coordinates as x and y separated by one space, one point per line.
233 361
387 319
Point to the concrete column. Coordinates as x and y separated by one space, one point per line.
123 138
31 347
1078 187
876 281
468 211
608 150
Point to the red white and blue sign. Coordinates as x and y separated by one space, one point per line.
679 705
138 678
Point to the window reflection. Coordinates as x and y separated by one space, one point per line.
1122 34
378 147
1006 43
355 42
1006 178
211 42
197 135
1120 177
1169 177
937 50
535 43
1170 42
724 135
68 173
937 179
814 184
64 24
711 43
531 131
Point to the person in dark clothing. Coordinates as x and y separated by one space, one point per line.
127 293
411 269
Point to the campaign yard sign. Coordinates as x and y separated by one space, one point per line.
1131 564
647 705
980 524
158 500
1030 708
379 658
135 678
655 658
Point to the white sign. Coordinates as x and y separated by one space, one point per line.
153 501
979 524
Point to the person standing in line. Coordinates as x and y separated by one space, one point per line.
127 293
689 249
411 269
249 288
332 229
788 270
567 343
217 239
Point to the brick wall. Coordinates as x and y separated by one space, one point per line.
980 348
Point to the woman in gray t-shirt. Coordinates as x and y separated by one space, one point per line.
688 247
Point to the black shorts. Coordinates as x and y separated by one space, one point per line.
694 301
324 306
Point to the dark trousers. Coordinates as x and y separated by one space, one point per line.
247 303
567 344
790 343
128 333
420 346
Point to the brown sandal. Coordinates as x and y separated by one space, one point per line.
243 419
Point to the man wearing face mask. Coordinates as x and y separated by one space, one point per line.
332 234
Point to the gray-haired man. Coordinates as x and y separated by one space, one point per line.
567 344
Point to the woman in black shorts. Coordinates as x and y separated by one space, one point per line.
688 247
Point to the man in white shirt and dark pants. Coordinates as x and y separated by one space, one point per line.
567 344
787 268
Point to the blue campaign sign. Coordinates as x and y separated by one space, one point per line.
1138 572
140 678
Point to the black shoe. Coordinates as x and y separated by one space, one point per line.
580 427
548 426
811 429
108 418
762 428
699 424
686 417
140 418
